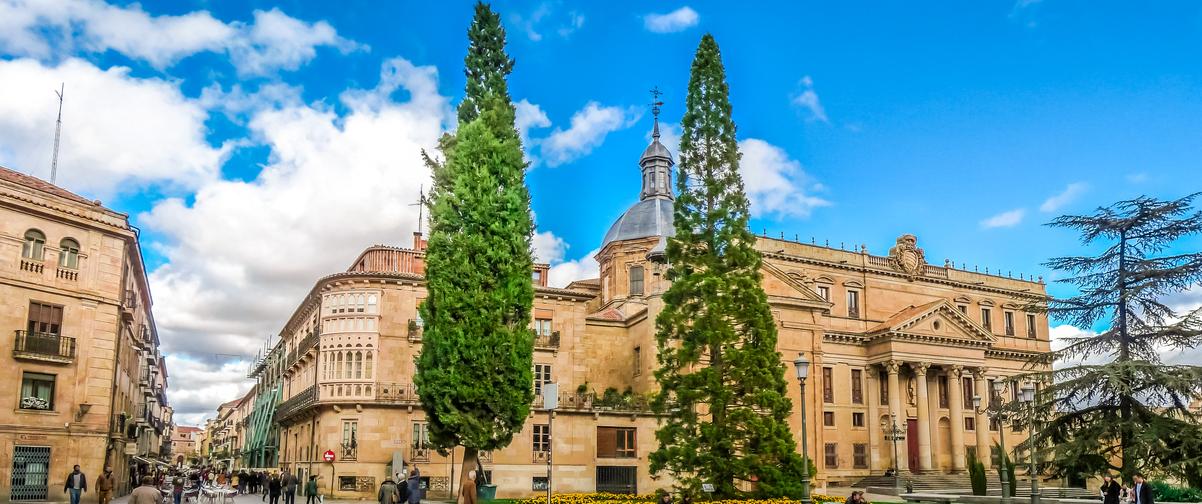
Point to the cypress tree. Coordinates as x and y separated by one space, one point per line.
1118 407
474 372
721 379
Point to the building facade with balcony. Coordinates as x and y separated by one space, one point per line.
185 443
891 338
84 380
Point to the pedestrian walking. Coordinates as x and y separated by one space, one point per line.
311 490
1141 493
1111 490
414 486
104 486
274 486
388 493
76 484
147 493
467 491
235 480
290 483
177 488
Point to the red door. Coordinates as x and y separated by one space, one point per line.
912 443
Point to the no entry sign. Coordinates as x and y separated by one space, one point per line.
328 456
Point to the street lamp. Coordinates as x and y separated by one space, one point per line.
995 411
1027 394
894 433
802 366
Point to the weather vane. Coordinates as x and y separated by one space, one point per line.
655 105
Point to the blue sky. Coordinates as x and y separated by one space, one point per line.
260 145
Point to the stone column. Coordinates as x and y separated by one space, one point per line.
899 414
923 406
874 417
956 412
983 447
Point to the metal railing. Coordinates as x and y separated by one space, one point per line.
44 346
297 402
547 341
419 453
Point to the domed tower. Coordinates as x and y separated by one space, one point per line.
633 249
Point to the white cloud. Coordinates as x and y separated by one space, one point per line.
568 22
529 116
1065 197
48 30
588 129
1059 339
1009 218
807 99
334 184
196 387
548 248
775 183
677 20
119 132
564 273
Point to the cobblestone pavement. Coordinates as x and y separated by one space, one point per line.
241 499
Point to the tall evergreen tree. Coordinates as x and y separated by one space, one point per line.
474 373
1117 406
721 378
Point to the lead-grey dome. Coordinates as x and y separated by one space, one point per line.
649 217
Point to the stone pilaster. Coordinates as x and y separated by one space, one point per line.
923 405
874 417
982 390
956 412
895 408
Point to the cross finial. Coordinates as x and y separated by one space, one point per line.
655 104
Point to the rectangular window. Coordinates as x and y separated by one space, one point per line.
857 419
963 309
542 327
1031 325
971 451
859 456
994 396
985 322
421 435
538 484
828 418
828 385
617 479
825 292
636 280
350 439
967 387
857 386
616 442
831 453
37 391
970 424
542 375
942 381
30 474
1008 319
45 318
638 361
883 386
542 438
994 424
853 304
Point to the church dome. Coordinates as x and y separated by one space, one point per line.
649 217
656 149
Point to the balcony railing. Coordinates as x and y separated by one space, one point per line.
415 331
297 403
419 453
350 452
302 348
44 347
547 341
67 274
540 456
32 265
401 393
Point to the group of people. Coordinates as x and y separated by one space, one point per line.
406 489
1115 492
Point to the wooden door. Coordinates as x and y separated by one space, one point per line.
912 443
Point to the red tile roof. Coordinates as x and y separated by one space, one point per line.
41 185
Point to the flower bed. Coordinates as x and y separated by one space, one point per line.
609 498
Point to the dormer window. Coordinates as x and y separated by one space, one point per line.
636 280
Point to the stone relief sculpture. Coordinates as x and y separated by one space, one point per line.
906 257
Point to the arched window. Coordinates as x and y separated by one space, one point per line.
371 303
338 365
34 247
358 365
362 304
68 255
367 367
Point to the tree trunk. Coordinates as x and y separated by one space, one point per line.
1128 467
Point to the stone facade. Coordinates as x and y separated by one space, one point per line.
890 337
84 380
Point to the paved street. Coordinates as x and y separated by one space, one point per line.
241 499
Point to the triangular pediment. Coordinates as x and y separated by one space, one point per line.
778 283
938 319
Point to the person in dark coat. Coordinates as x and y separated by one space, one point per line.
414 484
388 493
1111 490
274 488
76 483
1141 492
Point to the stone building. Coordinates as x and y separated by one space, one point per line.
185 443
84 378
890 337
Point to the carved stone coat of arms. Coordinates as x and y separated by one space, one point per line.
906 257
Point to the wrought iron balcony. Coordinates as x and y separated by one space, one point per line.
419 453
540 456
548 341
297 403
44 347
415 331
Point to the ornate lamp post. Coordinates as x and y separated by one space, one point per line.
1027 395
995 410
894 433
802 366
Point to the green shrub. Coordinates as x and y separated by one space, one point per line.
1009 465
976 475
1171 493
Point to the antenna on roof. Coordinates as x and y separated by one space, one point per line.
58 131
422 201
